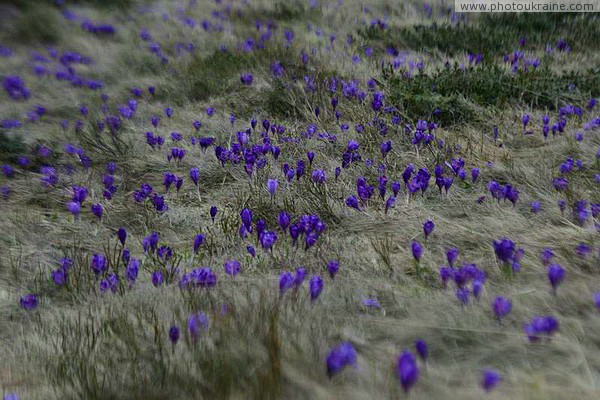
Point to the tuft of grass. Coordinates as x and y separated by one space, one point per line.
11 147
35 23
216 73
285 11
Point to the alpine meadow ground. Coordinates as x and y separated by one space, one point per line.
301 199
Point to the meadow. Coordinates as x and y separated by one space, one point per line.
301 199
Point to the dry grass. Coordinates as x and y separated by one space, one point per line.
80 343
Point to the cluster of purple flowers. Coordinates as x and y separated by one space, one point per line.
98 28
339 357
197 323
80 193
518 61
309 226
506 192
246 79
351 155
154 140
147 192
176 154
287 281
420 181
108 180
64 69
540 326
462 277
423 132
507 252
60 275
15 87
203 277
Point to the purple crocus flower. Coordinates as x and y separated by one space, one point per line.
300 276
246 215
580 211
428 227
126 256
501 307
197 323
195 175
97 210
318 176
583 250
417 250
546 256
74 208
477 288
283 220
213 213
540 325
421 348
333 267
452 255
8 171
352 202
504 249
390 203
246 79
174 334
525 120
268 239
315 287
371 303
15 87
445 275
198 241
377 102
232 267
272 185
396 188
122 235
595 210
169 112
132 270
157 278
562 204
29 301
59 276
560 184
386 147
99 264
474 174
462 294
339 357
556 274
286 281
407 370
596 298
490 379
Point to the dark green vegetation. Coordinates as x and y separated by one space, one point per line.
459 92
492 34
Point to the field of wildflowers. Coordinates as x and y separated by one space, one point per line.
298 199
